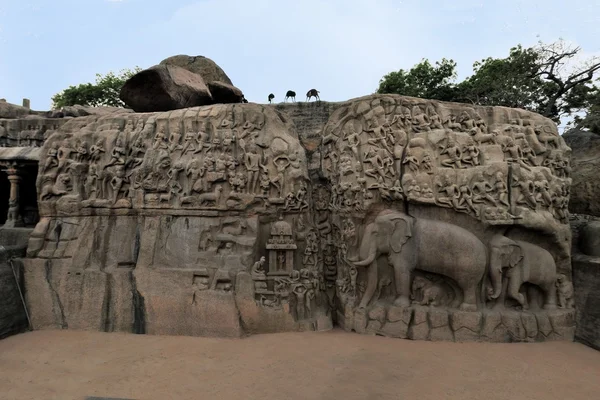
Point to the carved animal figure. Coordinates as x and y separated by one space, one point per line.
430 293
313 93
523 262
431 246
290 95
271 97
61 187
565 292
211 196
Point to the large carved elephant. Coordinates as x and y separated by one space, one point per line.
523 262
431 246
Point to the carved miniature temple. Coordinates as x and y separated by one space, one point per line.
385 215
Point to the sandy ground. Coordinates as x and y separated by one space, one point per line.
329 365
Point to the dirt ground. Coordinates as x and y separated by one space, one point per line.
329 365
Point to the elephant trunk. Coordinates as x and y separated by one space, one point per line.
495 274
370 256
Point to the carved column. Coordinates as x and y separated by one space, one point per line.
13 218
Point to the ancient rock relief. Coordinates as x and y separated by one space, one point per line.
426 220
214 158
432 201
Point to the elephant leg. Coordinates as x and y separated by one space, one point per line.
403 283
371 285
550 292
470 299
514 285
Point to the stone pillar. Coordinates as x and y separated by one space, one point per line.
26 103
13 218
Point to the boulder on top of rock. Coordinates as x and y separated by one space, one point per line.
203 66
225 93
164 88
222 89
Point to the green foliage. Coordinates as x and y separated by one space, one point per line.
423 80
105 92
591 121
547 79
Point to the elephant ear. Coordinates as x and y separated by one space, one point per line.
400 234
515 256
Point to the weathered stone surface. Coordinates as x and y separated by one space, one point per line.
586 280
163 88
585 164
398 329
203 66
466 325
589 239
514 326
223 93
419 327
12 314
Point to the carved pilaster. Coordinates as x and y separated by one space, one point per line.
13 218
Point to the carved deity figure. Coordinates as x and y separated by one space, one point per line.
454 154
482 189
117 154
96 151
470 153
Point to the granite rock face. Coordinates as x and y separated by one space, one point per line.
387 215
585 197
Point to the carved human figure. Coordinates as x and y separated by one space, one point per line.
465 201
454 154
564 292
526 191
117 182
281 162
118 154
448 193
190 142
91 182
64 154
470 153
482 189
175 138
420 120
51 157
81 151
96 151
427 163
542 190
411 160
160 139
500 188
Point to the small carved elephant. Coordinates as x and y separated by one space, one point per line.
522 262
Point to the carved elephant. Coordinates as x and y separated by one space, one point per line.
431 246
523 262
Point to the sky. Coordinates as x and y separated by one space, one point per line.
340 47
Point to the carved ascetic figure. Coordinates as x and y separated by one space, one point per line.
407 243
565 292
521 262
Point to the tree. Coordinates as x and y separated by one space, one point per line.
547 78
105 92
423 80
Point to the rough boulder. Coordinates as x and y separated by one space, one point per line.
179 82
